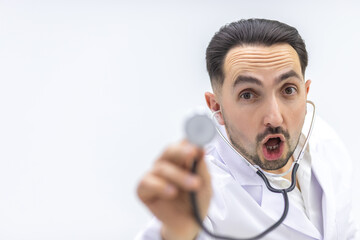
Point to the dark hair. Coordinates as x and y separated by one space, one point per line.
250 31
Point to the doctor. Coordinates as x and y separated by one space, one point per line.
257 71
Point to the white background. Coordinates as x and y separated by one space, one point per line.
92 91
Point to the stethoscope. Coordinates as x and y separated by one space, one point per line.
200 130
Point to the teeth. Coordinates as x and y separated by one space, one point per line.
272 147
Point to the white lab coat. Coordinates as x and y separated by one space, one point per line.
242 206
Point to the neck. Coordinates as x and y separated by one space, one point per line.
284 169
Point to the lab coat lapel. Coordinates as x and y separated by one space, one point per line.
323 175
271 203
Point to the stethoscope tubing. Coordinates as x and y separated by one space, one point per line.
198 219
294 167
257 168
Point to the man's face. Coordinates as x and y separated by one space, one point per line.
263 102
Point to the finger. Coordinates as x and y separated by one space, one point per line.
202 171
152 187
178 176
182 154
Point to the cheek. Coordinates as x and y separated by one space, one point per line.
244 120
296 118
242 125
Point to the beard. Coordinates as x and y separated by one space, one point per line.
254 157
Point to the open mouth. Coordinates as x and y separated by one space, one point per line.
273 147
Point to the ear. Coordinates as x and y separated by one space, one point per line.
307 86
212 102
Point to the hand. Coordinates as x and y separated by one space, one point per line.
165 190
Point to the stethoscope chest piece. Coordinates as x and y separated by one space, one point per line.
199 129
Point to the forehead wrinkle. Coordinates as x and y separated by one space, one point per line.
262 54
246 66
286 61
262 60
249 58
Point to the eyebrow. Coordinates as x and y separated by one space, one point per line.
287 75
247 79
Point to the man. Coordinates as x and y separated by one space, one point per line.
257 71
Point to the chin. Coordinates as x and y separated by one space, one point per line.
274 164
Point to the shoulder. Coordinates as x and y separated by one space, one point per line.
326 147
323 132
324 138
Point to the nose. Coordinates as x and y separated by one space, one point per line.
273 116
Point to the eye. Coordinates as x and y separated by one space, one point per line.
290 90
247 95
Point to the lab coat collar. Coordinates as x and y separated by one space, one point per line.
236 164
255 186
